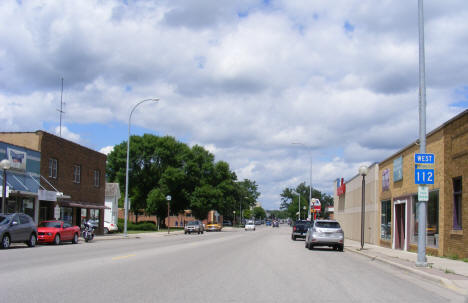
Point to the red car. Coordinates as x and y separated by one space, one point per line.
57 232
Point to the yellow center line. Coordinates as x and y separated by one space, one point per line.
123 257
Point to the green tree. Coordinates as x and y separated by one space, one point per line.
259 213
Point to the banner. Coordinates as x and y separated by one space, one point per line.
17 159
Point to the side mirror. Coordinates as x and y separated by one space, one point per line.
14 223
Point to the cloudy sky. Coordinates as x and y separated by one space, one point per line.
245 79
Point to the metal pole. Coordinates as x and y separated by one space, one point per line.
299 206
421 207
310 187
4 192
168 218
126 169
363 209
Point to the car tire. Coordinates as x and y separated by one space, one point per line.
75 239
306 244
311 247
32 240
340 248
6 241
57 239
293 238
106 230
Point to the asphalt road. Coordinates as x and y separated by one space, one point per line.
230 266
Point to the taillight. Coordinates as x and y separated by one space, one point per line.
294 228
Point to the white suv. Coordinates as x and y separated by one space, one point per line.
110 227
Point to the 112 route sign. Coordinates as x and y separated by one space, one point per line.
424 168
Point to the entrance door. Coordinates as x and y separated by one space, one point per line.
400 226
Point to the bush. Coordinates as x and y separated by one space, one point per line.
144 226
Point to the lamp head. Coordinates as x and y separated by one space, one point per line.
363 170
5 164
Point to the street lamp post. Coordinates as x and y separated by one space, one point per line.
234 214
168 198
5 165
304 208
363 170
126 169
310 176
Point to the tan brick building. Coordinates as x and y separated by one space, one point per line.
72 177
447 209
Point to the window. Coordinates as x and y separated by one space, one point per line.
457 203
76 173
386 220
53 168
432 218
97 175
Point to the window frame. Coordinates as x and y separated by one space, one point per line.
97 178
53 168
457 223
77 173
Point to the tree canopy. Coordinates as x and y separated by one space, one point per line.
290 200
161 166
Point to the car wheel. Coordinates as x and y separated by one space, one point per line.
32 240
311 247
306 244
340 248
106 230
202 232
57 239
6 241
293 238
75 239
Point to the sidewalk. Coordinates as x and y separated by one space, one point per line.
452 274
115 236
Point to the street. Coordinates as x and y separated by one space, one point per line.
230 266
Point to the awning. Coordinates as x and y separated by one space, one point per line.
82 205
21 183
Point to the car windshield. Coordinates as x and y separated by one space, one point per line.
250 222
4 219
193 223
50 224
327 224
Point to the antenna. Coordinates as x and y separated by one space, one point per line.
61 110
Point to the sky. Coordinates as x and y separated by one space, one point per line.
245 79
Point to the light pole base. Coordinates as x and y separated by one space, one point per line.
421 264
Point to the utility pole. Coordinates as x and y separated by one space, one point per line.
61 110
421 206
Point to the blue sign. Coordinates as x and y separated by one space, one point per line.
424 168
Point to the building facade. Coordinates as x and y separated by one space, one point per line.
348 204
72 177
447 208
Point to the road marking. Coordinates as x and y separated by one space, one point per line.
123 257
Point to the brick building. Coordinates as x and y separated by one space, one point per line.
447 208
72 177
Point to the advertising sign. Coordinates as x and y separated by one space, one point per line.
17 159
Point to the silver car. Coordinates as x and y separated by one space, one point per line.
194 227
325 233
17 228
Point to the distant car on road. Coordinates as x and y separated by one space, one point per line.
110 227
275 224
299 229
194 227
213 227
57 232
250 225
16 228
268 223
325 233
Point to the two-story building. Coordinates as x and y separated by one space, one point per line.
72 177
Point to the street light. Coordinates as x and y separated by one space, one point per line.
310 175
5 165
126 170
168 198
363 170
234 213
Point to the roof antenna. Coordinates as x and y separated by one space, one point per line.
61 110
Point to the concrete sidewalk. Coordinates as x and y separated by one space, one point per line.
116 236
452 274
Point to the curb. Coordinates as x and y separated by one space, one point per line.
447 283
135 236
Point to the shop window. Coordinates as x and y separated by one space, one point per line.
94 216
66 214
53 168
432 216
77 173
97 176
28 207
386 220
457 203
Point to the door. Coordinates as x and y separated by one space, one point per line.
400 226
15 230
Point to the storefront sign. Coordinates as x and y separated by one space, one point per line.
315 206
385 179
341 190
398 169
57 212
47 195
17 159
423 193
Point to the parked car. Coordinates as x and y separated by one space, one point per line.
268 223
325 233
227 223
110 227
213 227
275 224
17 228
194 227
250 225
57 232
299 229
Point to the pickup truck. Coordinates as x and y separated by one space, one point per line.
299 229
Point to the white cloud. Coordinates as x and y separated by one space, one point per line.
64 132
244 79
106 150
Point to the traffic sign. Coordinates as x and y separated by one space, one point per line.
424 168
423 193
